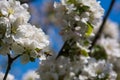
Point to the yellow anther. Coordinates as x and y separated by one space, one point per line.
10 11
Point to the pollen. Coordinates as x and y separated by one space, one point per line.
10 11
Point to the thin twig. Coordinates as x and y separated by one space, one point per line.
17 56
10 62
26 1
66 47
98 35
60 52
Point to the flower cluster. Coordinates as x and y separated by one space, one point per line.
17 36
83 68
77 18
109 40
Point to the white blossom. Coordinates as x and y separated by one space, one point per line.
69 7
9 77
76 18
13 10
95 7
81 77
30 75
96 10
62 68
28 41
111 47
17 36
109 40
30 36
82 68
111 29
99 69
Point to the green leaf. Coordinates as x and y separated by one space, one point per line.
86 42
84 53
80 9
13 29
85 8
89 29
99 52
37 49
71 1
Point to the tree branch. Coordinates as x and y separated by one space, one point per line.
10 62
61 50
17 56
98 35
26 1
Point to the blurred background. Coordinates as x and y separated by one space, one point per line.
40 9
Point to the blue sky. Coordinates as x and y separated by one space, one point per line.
19 69
115 14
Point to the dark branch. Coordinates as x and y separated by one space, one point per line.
61 50
10 61
98 35
26 1
17 56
